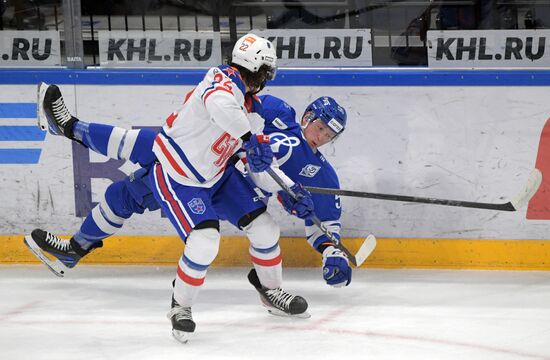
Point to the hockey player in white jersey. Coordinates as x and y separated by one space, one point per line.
192 183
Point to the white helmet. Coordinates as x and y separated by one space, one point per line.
252 51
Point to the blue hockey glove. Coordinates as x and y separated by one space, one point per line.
336 269
258 152
302 207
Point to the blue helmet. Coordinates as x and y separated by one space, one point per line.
330 112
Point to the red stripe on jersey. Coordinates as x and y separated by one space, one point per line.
188 95
188 279
221 170
216 89
170 199
169 156
270 262
170 120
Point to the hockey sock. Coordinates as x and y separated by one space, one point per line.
269 266
189 280
201 248
117 143
263 233
94 136
100 223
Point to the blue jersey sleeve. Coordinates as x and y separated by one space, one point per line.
274 108
327 207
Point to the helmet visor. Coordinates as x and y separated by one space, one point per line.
271 73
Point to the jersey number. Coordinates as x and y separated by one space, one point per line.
226 84
224 147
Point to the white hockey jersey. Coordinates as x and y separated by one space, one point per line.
196 142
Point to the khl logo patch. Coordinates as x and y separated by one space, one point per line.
197 206
310 170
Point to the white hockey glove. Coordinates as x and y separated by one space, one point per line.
336 269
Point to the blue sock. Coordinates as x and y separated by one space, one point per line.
117 143
94 136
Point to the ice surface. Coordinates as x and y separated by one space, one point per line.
100 312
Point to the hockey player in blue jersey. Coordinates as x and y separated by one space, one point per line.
295 146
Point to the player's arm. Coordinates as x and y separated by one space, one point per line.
301 206
266 182
219 99
336 269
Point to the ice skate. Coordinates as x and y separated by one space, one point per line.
279 302
53 115
183 325
66 253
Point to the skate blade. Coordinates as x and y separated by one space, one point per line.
181 336
55 266
277 312
40 114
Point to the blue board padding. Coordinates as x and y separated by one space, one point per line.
17 110
21 133
19 156
286 77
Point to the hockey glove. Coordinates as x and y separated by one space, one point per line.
302 207
258 152
336 269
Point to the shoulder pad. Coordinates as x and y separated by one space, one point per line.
234 75
275 108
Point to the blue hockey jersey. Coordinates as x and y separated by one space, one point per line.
301 164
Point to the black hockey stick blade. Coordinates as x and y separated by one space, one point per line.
533 183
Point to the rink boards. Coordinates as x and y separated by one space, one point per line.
470 135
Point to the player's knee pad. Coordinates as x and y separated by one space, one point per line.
201 246
116 198
138 184
263 232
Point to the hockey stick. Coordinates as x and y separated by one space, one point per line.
533 183
366 247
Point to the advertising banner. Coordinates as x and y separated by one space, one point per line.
465 143
321 48
159 49
488 48
29 48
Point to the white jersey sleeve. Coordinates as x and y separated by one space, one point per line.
265 182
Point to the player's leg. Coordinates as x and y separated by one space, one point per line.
111 141
121 200
236 201
190 211
117 143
